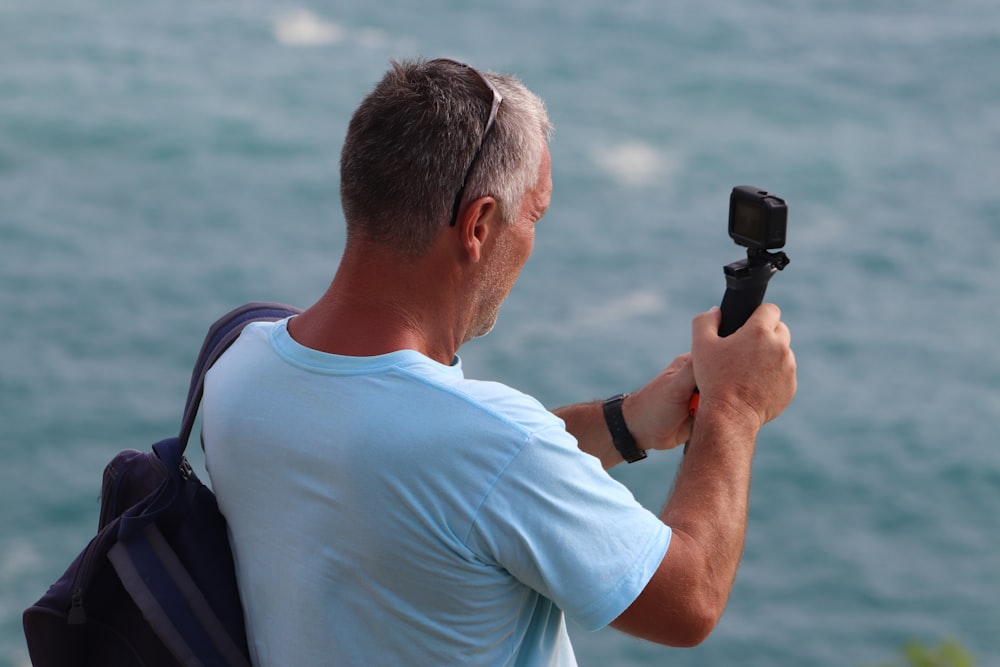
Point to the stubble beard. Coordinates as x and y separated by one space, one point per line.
494 287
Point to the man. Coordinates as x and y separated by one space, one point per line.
384 509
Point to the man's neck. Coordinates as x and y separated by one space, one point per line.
378 304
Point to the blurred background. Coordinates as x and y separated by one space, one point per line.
161 163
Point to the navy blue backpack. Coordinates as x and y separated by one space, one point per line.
156 587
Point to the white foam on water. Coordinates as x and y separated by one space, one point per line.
300 27
637 164
621 309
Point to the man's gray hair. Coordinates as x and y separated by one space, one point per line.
412 139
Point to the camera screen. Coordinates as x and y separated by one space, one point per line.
748 221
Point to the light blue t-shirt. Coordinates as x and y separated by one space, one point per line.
387 511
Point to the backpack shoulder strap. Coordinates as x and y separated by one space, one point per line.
220 336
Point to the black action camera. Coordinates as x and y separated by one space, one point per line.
757 219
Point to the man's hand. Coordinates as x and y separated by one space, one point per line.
750 375
752 371
657 414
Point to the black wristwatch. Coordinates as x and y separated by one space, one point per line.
620 435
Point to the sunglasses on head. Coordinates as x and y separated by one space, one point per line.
497 99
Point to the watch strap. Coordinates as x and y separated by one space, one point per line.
620 435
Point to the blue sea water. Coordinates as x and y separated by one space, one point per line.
162 162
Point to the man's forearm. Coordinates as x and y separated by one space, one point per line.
710 498
585 422
707 513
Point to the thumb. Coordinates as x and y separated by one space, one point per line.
707 324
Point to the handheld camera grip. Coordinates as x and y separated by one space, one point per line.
745 288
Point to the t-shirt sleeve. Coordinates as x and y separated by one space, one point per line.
561 525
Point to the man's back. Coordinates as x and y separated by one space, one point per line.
387 510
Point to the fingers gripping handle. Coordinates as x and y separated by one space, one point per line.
746 284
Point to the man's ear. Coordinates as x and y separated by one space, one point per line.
477 222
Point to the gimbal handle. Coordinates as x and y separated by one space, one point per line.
746 283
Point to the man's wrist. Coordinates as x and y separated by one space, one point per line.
621 437
732 411
720 425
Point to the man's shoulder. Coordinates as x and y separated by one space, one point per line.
501 402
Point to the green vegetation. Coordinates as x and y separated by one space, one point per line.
948 654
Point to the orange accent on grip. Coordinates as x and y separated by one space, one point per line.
693 405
